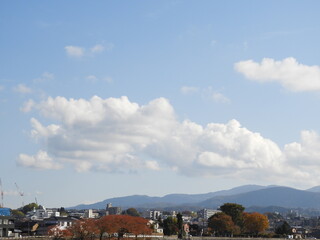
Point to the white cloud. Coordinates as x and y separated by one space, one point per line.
93 79
46 76
1 87
307 152
117 135
188 90
11 193
288 72
23 89
97 48
206 93
40 161
153 165
219 97
79 52
213 43
74 51
27 106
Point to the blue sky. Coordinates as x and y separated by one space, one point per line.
103 99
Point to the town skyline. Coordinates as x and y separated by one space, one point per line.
112 99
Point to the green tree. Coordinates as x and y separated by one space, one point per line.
170 226
180 225
195 230
235 211
29 207
132 212
284 229
16 213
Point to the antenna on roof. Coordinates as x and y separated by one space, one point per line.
20 193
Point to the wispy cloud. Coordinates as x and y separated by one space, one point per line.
206 93
23 89
288 72
11 193
213 43
94 79
74 51
27 106
97 48
188 90
46 76
219 97
79 52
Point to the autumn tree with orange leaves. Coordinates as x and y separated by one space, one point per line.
106 226
58 233
255 223
87 229
222 224
138 225
84 229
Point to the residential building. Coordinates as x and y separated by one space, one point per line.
156 227
42 213
40 227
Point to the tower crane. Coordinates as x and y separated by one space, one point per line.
20 193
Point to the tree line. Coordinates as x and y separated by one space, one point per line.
232 220
107 226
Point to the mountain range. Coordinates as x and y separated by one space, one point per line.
250 196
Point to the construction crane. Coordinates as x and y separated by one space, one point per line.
20 193
1 191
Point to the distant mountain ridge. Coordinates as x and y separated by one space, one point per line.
276 196
168 200
247 195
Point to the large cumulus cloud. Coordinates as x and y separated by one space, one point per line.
117 135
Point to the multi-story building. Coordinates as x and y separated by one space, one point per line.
6 226
112 210
89 213
207 213
6 223
152 214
